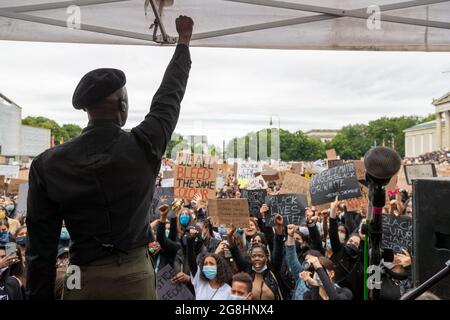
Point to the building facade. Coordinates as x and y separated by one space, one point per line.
324 135
17 140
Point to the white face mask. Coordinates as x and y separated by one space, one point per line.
236 297
341 237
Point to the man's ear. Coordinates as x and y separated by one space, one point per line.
123 105
250 296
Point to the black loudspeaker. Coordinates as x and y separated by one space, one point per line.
431 230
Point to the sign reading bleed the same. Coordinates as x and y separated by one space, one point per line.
195 174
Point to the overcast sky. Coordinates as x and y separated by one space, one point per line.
233 91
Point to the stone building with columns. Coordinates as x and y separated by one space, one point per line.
433 135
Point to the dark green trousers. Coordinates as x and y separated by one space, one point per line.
115 277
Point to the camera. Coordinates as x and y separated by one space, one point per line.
307 266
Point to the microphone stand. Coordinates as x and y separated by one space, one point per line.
429 283
377 194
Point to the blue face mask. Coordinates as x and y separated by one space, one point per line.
222 230
203 236
10 208
328 244
210 272
4 237
22 240
260 271
167 233
184 220
64 234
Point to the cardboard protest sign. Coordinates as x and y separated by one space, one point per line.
356 204
168 174
23 174
9 172
334 163
257 183
294 183
360 169
255 199
270 174
331 154
397 233
290 206
339 181
418 171
195 174
14 184
2 185
229 211
167 290
161 196
247 170
167 183
2 160
296 167
21 209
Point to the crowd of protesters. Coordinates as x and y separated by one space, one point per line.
322 259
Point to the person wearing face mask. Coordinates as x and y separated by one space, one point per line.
396 276
10 286
322 283
347 257
266 285
5 235
21 238
211 276
241 287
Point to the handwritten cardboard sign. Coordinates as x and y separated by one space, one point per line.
290 206
167 290
331 154
255 198
195 174
397 233
360 169
294 183
339 181
2 185
296 167
356 204
14 184
257 183
229 211
247 170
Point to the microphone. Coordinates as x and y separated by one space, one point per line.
381 165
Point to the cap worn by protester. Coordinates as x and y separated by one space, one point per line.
96 85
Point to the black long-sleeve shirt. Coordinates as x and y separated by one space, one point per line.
333 292
101 184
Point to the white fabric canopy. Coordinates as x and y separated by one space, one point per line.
412 25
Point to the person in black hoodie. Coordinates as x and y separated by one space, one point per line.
347 257
265 274
396 277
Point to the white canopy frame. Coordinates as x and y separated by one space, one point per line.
327 13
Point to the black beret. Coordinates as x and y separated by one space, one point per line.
96 85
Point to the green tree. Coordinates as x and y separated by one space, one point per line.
352 141
66 132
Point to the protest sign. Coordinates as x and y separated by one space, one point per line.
23 174
2 160
290 206
257 183
397 233
195 174
21 209
167 183
334 163
356 204
2 185
339 181
331 154
14 184
418 171
294 183
360 169
255 198
247 170
9 172
167 290
229 211
270 174
296 167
